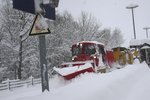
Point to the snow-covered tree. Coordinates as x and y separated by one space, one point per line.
88 27
60 40
16 25
116 39
67 31
19 52
103 36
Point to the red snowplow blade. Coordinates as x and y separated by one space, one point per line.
73 75
71 72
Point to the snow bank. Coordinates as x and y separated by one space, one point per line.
117 85
129 83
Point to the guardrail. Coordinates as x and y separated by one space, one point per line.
12 84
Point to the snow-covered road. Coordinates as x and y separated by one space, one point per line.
129 83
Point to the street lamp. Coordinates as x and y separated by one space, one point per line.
146 28
131 6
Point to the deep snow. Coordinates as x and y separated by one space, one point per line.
128 83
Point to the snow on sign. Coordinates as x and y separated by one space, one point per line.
34 6
39 26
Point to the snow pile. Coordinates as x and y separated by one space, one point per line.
129 83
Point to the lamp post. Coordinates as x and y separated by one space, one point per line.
132 7
146 29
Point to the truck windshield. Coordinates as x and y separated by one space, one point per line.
89 49
76 51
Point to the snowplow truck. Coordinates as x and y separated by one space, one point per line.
87 56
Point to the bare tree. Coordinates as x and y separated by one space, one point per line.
1 33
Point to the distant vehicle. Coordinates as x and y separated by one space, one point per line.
145 53
122 55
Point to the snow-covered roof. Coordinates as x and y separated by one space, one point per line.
95 42
135 42
145 47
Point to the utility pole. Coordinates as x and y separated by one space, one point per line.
146 29
132 7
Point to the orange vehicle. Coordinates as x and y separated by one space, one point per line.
122 55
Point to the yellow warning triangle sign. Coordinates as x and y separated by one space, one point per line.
38 26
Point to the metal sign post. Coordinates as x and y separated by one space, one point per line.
43 63
36 29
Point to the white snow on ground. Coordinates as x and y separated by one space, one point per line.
128 83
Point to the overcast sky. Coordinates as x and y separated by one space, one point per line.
112 14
